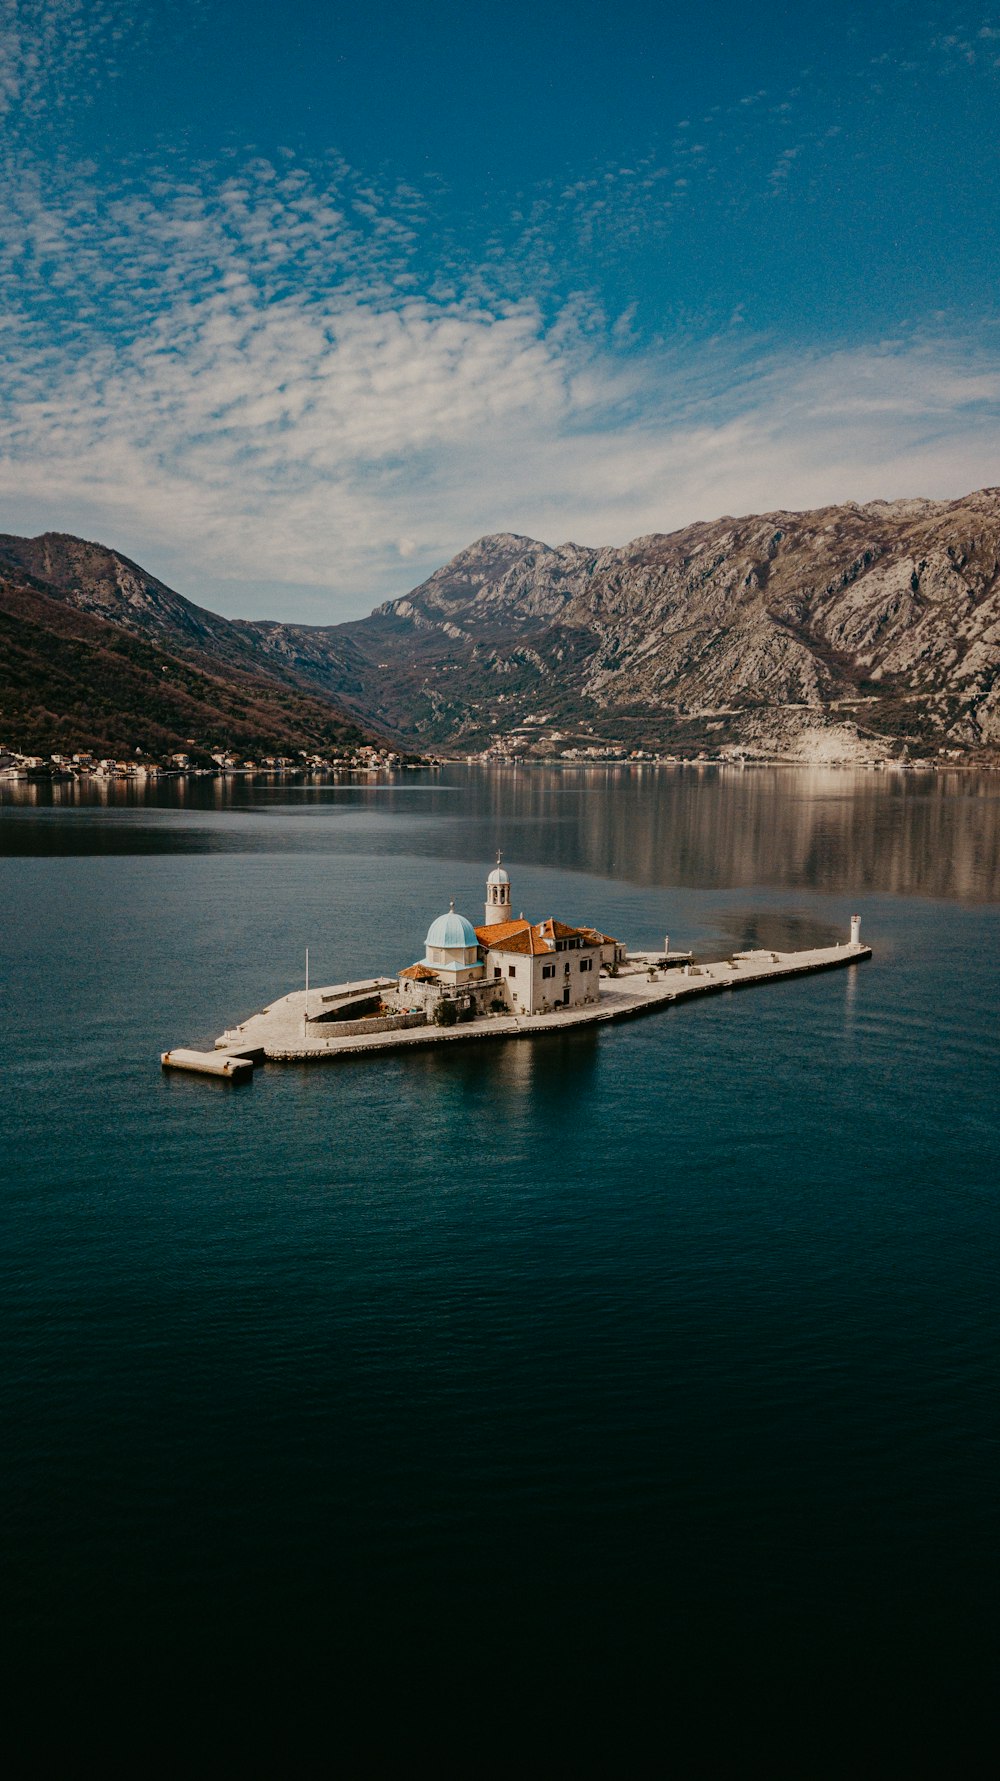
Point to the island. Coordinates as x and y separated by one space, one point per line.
508 978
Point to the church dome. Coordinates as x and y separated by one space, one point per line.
498 876
451 930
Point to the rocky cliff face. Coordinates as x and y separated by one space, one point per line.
849 629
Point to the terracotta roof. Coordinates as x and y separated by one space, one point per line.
501 930
512 936
557 930
523 942
522 937
419 974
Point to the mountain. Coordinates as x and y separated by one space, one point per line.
96 654
849 631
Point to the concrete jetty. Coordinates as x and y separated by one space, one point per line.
229 1065
297 1028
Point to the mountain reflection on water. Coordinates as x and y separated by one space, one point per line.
899 833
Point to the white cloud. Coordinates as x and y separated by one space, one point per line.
48 45
301 448
246 377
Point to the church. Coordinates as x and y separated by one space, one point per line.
507 965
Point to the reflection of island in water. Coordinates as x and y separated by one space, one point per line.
852 833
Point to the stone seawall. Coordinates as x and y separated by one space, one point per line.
356 1029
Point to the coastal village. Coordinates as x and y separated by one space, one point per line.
84 766
504 977
81 766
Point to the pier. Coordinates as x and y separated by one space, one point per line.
297 1028
229 1065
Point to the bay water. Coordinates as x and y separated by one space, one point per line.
622 1401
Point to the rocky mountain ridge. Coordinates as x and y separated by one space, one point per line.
96 654
849 632
880 619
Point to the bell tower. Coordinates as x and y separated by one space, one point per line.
497 896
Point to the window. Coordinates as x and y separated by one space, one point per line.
497 972
512 970
586 964
548 970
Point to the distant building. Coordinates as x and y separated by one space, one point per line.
513 965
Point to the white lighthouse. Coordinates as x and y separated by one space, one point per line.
855 930
497 907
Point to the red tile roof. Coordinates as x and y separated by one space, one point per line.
419 974
521 937
523 943
501 930
511 936
557 930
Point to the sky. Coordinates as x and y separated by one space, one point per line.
298 300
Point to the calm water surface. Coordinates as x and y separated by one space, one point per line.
623 1402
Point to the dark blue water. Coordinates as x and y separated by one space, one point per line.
622 1402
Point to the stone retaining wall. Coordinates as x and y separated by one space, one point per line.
355 1029
338 1014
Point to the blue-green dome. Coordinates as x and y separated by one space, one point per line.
451 930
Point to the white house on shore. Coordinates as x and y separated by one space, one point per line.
507 965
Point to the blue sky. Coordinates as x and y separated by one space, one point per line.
297 301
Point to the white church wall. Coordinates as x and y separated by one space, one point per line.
579 972
536 984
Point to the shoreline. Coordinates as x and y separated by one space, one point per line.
145 777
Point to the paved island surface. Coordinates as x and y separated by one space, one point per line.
298 1027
